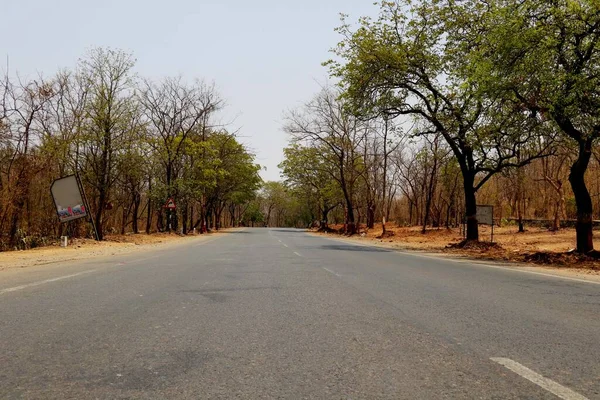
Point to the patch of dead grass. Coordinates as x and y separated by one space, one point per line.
536 245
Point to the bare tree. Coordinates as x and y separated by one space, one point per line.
109 111
324 122
176 110
23 103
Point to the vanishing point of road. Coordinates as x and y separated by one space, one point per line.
280 313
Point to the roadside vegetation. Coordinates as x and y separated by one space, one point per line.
135 142
440 105
434 107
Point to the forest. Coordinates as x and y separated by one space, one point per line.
440 105
432 108
134 143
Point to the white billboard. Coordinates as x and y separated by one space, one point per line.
68 199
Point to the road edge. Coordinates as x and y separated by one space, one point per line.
549 271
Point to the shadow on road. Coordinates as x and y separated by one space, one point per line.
344 247
289 230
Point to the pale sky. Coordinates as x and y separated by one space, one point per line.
264 55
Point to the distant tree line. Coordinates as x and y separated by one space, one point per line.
445 104
134 142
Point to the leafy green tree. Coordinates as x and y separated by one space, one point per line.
306 170
236 174
542 56
324 124
398 65
253 214
132 169
110 117
175 111
274 200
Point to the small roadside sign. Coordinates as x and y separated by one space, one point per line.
170 204
485 215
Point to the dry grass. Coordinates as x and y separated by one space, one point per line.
535 245
81 249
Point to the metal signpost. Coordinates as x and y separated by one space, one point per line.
70 200
485 216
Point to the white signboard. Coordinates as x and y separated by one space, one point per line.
485 215
68 199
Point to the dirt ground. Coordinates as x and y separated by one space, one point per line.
83 249
535 246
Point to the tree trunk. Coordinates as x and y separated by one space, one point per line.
21 194
563 205
350 224
430 190
471 208
149 210
201 218
184 218
232 215
136 209
371 216
207 219
218 214
17 211
160 227
149 217
585 243
324 217
14 224
100 213
556 222
520 215
124 220
191 222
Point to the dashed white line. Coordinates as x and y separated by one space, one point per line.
330 271
545 383
60 278
298 254
139 260
285 245
207 241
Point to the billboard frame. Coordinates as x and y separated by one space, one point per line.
83 198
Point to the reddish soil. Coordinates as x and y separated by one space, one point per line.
535 245
80 249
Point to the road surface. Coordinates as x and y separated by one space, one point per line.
279 313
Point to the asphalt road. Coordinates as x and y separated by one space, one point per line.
279 313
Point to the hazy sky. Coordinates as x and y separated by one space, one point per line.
263 55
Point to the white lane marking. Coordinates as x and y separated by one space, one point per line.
60 278
207 241
140 260
298 254
330 271
285 245
545 383
536 273
469 262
